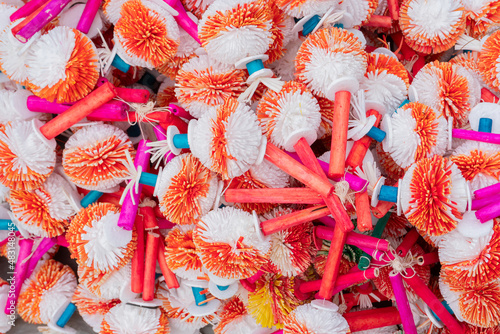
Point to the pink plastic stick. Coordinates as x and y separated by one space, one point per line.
482 202
403 304
179 111
487 192
328 221
348 280
50 12
160 135
129 209
111 111
26 10
25 246
45 245
61 241
484 137
88 15
355 182
183 19
129 94
488 212
354 239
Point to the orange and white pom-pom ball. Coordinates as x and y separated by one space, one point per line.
477 305
146 34
331 59
115 284
434 194
450 90
26 157
181 254
291 249
470 254
91 307
282 31
62 65
97 243
112 8
131 318
386 81
488 60
228 140
431 26
288 115
44 292
45 211
187 190
237 32
234 318
480 15
264 175
93 158
414 132
204 83
317 317
229 245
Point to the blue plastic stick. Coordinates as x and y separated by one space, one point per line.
90 198
68 312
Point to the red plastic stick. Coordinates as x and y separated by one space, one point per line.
152 240
376 318
274 195
138 259
339 134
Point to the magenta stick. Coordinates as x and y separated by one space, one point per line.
183 19
111 111
402 303
26 10
346 280
328 221
484 137
487 192
255 277
278 332
160 135
61 241
179 111
164 224
88 15
488 212
374 253
129 209
355 182
128 94
25 246
355 239
50 12
45 245
482 202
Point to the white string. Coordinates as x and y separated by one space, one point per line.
329 19
272 83
105 56
133 176
399 264
159 150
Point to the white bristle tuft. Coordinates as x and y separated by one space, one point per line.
404 148
233 44
285 66
110 287
13 106
139 320
6 11
358 9
455 248
112 9
49 56
270 175
385 88
318 320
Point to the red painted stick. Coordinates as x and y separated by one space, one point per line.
379 21
370 319
353 238
138 259
168 275
290 166
428 259
360 147
274 195
332 265
393 7
363 211
339 134
152 240
488 96
408 241
292 219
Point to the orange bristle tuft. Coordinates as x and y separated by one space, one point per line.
488 60
34 206
172 66
180 251
426 128
380 62
478 162
144 34
388 164
180 202
231 311
431 37
41 284
480 20
430 188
